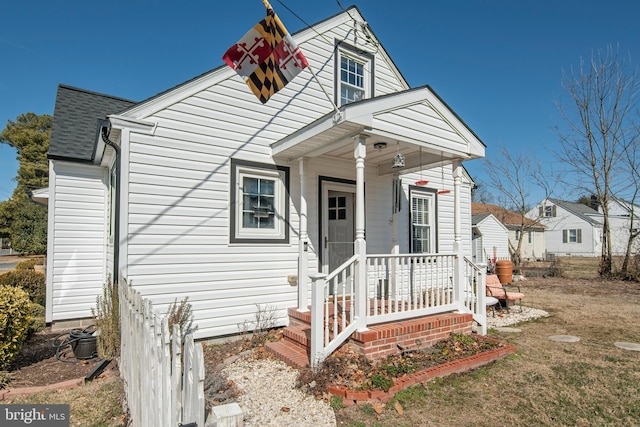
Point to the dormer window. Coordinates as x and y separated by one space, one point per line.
351 80
354 74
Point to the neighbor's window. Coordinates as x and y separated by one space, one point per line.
259 196
572 235
354 75
423 222
549 211
517 235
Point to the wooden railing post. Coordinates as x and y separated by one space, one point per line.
317 318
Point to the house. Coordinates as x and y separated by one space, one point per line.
572 229
203 192
624 217
532 246
490 238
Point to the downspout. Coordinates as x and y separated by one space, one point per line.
105 131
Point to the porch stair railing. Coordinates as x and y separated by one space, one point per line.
396 287
333 308
475 282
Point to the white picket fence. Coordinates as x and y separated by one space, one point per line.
164 380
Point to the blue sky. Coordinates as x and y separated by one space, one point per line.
498 64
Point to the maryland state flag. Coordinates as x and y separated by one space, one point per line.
266 57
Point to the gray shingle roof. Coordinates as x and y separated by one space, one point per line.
75 122
475 219
579 210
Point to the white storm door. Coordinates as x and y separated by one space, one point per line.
338 225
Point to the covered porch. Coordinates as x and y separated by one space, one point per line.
362 288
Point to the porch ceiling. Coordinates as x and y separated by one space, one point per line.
415 122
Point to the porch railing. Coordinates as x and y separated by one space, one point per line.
397 287
475 282
333 305
404 286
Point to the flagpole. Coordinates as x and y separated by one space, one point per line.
335 107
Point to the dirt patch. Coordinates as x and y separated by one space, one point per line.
37 364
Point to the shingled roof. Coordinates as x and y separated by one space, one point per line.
75 122
510 219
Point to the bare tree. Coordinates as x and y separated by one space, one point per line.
632 159
602 101
513 177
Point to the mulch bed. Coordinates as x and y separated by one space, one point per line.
37 364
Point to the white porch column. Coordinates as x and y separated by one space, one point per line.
303 241
457 234
360 245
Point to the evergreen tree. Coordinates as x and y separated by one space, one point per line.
22 221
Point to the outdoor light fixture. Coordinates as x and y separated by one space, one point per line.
398 159
380 145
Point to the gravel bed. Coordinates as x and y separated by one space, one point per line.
268 396
513 317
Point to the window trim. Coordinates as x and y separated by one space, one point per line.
237 234
566 235
424 193
359 55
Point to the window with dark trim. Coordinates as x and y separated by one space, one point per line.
353 74
423 222
259 203
572 235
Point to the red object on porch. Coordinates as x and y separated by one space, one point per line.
422 182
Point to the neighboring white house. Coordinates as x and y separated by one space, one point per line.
490 238
621 214
203 192
532 231
572 229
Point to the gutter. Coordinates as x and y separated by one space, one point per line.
105 130
129 124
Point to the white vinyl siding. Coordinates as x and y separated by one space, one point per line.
78 240
177 183
179 192
494 236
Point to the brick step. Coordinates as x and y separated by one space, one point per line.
299 318
289 352
298 334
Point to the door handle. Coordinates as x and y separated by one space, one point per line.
326 242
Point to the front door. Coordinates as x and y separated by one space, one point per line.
338 231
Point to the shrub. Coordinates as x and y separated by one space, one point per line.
30 281
182 316
29 263
14 322
37 321
107 319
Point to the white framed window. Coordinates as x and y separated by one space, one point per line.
549 211
260 203
572 235
354 74
423 221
